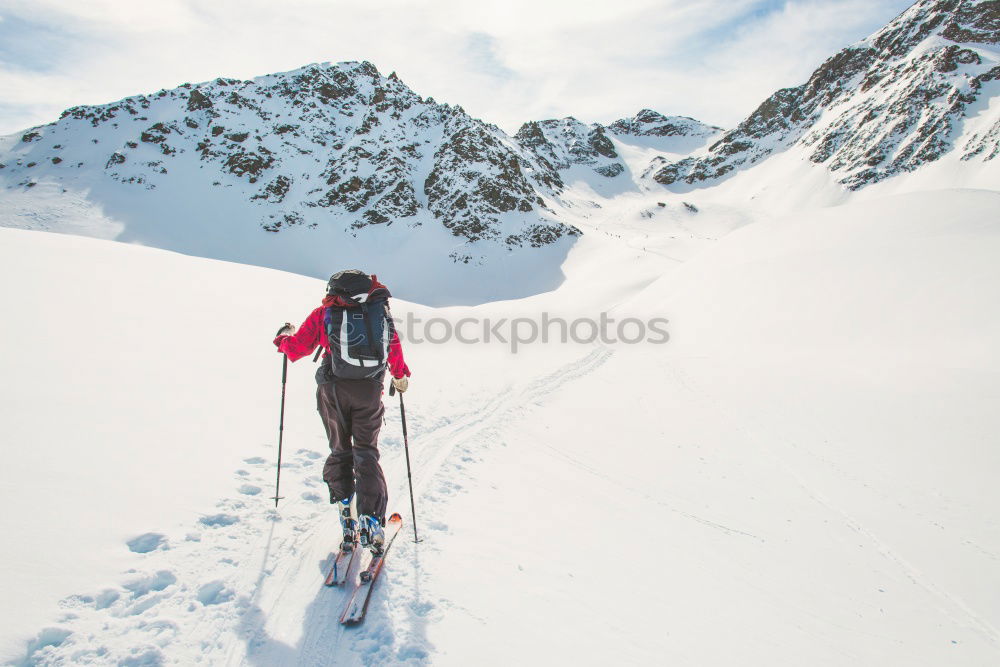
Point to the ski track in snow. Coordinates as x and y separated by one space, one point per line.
232 570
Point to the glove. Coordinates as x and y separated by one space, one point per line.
287 330
401 383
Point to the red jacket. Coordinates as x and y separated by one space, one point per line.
313 333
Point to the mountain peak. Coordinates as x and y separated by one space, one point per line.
887 105
958 21
652 123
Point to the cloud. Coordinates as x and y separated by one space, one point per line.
482 57
504 62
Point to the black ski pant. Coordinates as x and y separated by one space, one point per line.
353 434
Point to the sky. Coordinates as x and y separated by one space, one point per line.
505 62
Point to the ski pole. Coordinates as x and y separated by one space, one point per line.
406 448
281 426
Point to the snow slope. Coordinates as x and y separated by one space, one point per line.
802 475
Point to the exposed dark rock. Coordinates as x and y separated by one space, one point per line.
601 144
949 59
611 170
649 123
977 23
155 134
198 100
248 163
276 189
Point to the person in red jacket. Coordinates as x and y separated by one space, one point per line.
355 329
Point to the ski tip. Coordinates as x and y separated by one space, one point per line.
396 518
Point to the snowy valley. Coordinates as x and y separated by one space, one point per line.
804 473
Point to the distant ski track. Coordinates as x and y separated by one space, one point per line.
473 427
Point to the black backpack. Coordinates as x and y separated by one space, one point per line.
359 332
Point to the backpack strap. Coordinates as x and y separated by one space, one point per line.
371 337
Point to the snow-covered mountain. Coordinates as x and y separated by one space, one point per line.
565 143
922 87
328 165
324 141
336 165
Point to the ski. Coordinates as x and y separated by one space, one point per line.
357 606
341 565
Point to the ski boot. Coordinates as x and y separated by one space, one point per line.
372 535
347 524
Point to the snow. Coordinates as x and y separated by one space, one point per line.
802 475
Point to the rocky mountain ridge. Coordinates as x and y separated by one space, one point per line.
325 139
563 143
900 99
335 144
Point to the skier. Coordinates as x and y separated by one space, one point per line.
356 331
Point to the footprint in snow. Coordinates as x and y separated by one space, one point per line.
147 542
49 637
249 490
148 584
106 598
219 520
150 657
309 454
255 460
422 608
311 497
214 592
412 653
102 600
